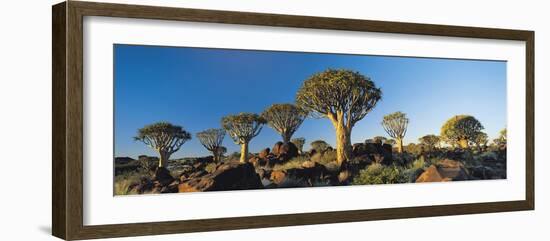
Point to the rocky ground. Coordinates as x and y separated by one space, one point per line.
284 166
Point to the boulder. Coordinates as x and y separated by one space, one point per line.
199 165
228 176
144 185
309 175
430 175
163 176
254 161
264 153
277 177
483 173
187 169
282 152
446 170
289 149
276 147
453 170
263 173
171 188
198 173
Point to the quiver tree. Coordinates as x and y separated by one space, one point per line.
342 96
395 125
430 141
212 140
164 138
501 140
299 143
285 119
480 140
461 129
242 128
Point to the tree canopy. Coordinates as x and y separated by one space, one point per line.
342 96
333 93
212 140
481 139
163 137
285 119
501 139
430 141
243 127
461 129
395 124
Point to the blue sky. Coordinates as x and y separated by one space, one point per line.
196 87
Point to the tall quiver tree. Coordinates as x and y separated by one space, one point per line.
461 130
342 96
164 138
242 128
395 124
285 119
212 140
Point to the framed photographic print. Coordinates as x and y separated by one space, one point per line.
213 120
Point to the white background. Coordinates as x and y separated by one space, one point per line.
101 208
25 97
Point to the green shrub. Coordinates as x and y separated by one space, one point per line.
379 174
411 174
211 167
419 163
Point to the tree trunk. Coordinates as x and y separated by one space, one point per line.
286 137
463 143
216 155
163 160
244 152
343 143
399 143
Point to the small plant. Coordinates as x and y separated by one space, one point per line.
123 182
379 174
419 163
211 167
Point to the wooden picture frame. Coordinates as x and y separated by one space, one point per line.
67 152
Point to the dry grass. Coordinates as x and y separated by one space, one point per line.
295 162
121 187
123 181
